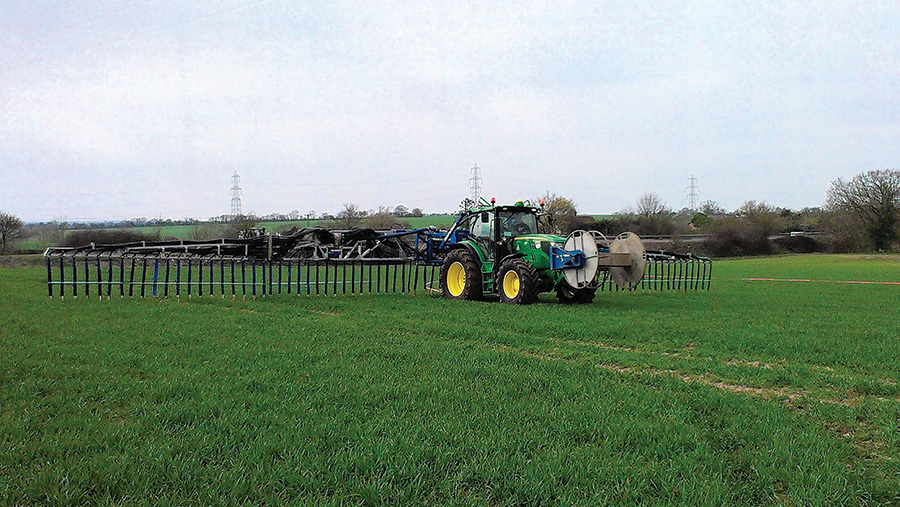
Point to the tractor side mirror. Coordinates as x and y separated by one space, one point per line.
485 217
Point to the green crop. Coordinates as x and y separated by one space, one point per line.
753 393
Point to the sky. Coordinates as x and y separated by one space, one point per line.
116 109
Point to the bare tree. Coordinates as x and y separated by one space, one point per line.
711 208
765 218
56 231
651 217
209 230
9 228
873 197
243 226
401 211
754 208
351 215
562 212
383 219
650 205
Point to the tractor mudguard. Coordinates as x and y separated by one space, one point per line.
510 256
471 248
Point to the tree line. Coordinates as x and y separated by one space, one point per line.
859 215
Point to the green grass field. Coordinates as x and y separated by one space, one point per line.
754 393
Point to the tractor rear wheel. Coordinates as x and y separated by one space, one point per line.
565 294
460 276
517 282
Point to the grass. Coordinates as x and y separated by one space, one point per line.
762 393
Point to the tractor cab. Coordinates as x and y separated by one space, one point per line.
517 222
515 230
513 221
492 230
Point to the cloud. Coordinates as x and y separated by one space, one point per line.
312 103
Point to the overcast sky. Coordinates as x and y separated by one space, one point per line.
113 109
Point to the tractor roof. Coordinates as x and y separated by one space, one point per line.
520 206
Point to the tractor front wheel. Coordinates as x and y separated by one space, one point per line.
517 282
565 294
460 276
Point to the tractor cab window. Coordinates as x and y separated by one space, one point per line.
518 223
465 224
482 228
464 228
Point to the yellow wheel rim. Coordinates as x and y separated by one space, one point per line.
511 284
456 279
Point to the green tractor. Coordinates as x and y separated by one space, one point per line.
499 250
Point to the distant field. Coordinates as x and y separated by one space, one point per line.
187 231
30 244
754 393
414 222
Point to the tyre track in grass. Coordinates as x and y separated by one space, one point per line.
845 397
868 441
704 378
